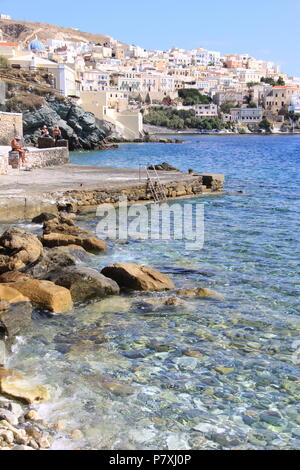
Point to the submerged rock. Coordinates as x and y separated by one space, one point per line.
136 277
84 283
15 385
20 248
15 311
45 294
199 292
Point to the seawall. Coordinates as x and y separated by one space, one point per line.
24 195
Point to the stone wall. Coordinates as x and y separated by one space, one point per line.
142 192
11 124
3 165
40 158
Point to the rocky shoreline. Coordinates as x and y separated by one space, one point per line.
51 273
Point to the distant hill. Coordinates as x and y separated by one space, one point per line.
25 31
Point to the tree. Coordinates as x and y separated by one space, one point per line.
226 107
191 96
251 104
268 80
265 125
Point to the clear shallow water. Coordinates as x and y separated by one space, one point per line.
132 376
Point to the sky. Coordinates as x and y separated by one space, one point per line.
265 29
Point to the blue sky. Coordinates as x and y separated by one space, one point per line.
266 29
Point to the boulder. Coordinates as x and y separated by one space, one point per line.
50 260
62 225
163 167
60 239
84 283
136 277
77 251
43 217
22 247
15 311
199 292
14 385
45 294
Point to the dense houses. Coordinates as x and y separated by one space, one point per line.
116 81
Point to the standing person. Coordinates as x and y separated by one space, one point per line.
16 145
56 133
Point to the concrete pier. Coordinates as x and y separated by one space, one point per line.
25 194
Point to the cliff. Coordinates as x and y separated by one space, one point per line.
31 94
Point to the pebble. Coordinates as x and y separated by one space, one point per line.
77 435
31 415
224 370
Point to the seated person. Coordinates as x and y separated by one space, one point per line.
56 133
16 145
45 132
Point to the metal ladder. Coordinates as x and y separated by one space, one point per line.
157 188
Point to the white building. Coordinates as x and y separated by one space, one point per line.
204 58
94 80
295 104
206 110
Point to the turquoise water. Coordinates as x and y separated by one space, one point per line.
133 374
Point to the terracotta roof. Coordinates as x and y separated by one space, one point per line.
9 43
286 86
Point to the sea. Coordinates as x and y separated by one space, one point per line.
213 373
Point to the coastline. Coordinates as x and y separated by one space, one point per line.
156 130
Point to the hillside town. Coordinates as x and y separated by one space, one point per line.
178 89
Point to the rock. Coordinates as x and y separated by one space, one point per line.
62 225
173 301
163 167
16 409
17 314
31 415
77 251
60 425
7 435
45 294
8 416
2 351
136 277
43 217
89 244
84 283
77 435
15 385
13 276
44 442
199 292
224 370
55 258
82 129
22 247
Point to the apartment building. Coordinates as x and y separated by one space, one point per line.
280 97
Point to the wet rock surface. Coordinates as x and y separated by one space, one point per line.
18 248
84 283
133 276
